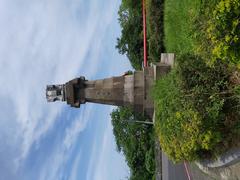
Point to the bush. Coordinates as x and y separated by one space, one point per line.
155 30
195 110
178 125
204 86
130 41
222 32
150 161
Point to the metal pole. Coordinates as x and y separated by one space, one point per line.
141 122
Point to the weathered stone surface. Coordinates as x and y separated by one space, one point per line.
128 90
168 58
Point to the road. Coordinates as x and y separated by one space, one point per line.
172 171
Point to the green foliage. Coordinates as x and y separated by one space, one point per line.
131 40
198 106
223 31
177 124
135 142
204 84
195 110
150 161
154 9
179 23
131 22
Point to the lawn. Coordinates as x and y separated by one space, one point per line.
179 16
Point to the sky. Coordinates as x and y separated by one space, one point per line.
51 42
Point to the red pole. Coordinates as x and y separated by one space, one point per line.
144 34
187 171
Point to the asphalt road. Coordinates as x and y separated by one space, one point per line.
172 171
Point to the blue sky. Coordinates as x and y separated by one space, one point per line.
46 42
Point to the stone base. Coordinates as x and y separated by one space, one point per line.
162 68
151 74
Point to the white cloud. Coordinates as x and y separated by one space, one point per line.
55 164
75 168
43 42
105 162
78 126
101 171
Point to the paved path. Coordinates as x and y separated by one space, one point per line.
166 170
172 171
197 174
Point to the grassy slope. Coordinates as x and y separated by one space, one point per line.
180 29
178 24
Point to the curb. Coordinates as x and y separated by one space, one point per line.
229 158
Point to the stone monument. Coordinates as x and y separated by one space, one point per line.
129 90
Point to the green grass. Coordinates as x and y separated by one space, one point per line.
179 17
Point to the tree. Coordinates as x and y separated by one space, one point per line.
134 141
131 40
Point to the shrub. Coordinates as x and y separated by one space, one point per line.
150 161
155 30
195 110
178 126
204 86
222 32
